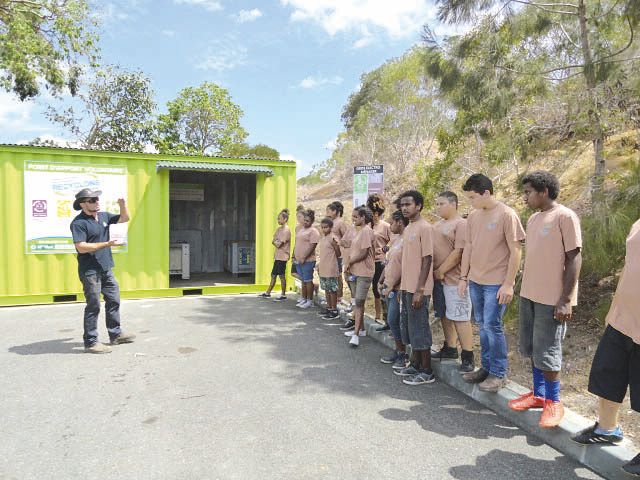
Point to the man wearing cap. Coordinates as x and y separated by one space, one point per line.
90 231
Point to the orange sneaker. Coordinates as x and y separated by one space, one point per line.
551 414
525 402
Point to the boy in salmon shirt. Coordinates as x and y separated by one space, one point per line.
454 311
549 292
416 286
282 242
490 261
328 268
335 211
616 364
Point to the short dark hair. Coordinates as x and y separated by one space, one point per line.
376 203
396 202
541 180
365 212
418 199
336 207
452 197
285 213
397 216
311 214
327 221
478 183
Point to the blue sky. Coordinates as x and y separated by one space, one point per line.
289 64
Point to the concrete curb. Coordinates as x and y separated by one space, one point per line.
604 460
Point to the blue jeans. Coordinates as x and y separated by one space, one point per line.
94 284
488 315
392 301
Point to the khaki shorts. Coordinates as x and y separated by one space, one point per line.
360 288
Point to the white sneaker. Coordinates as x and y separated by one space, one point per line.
362 333
355 341
307 304
300 302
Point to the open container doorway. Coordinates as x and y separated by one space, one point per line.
212 218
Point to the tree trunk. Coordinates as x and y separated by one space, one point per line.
597 133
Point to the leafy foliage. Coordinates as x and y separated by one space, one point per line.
44 40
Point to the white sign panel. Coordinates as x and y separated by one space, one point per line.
49 192
367 180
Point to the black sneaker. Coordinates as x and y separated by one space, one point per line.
264 295
348 325
588 436
400 362
383 328
409 371
323 312
332 315
422 378
281 298
445 353
632 467
389 359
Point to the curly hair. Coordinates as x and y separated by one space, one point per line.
364 211
541 180
375 203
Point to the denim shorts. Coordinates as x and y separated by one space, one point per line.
305 270
414 324
541 335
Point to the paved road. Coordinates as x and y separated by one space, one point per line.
237 388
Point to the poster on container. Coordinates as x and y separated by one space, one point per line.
49 192
367 180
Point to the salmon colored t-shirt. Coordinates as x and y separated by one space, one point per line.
339 230
328 263
393 269
447 236
550 235
364 240
417 244
383 235
486 253
348 236
283 252
624 314
305 237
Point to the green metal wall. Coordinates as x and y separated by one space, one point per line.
143 270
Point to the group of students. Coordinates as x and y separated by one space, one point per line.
468 266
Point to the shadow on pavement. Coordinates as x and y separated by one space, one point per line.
501 464
56 346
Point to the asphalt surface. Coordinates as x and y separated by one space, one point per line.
237 388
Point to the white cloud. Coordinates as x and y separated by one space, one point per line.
301 168
58 141
331 144
398 19
16 116
169 33
315 82
223 54
244 16
211 5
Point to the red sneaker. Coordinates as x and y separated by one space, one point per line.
525 402
551 414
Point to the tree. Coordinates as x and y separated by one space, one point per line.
545 44
201 120
44 40
245 150
117 112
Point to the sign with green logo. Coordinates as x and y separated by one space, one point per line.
367 179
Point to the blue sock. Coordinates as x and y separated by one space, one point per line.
552 390
616 431
538 383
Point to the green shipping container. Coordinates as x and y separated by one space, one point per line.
216 205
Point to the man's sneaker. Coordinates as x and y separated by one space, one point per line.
551 414
632 467
422 378
467 365
526 402
383 328
323 312
264 295
305 305
589 436
409 371
98 348
349 308
351 333
493 384
332 315
301 301
348 325
400 363
123 338
391 359
281 298
355 341
478 376
445 353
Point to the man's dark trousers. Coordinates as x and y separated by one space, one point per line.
94 284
